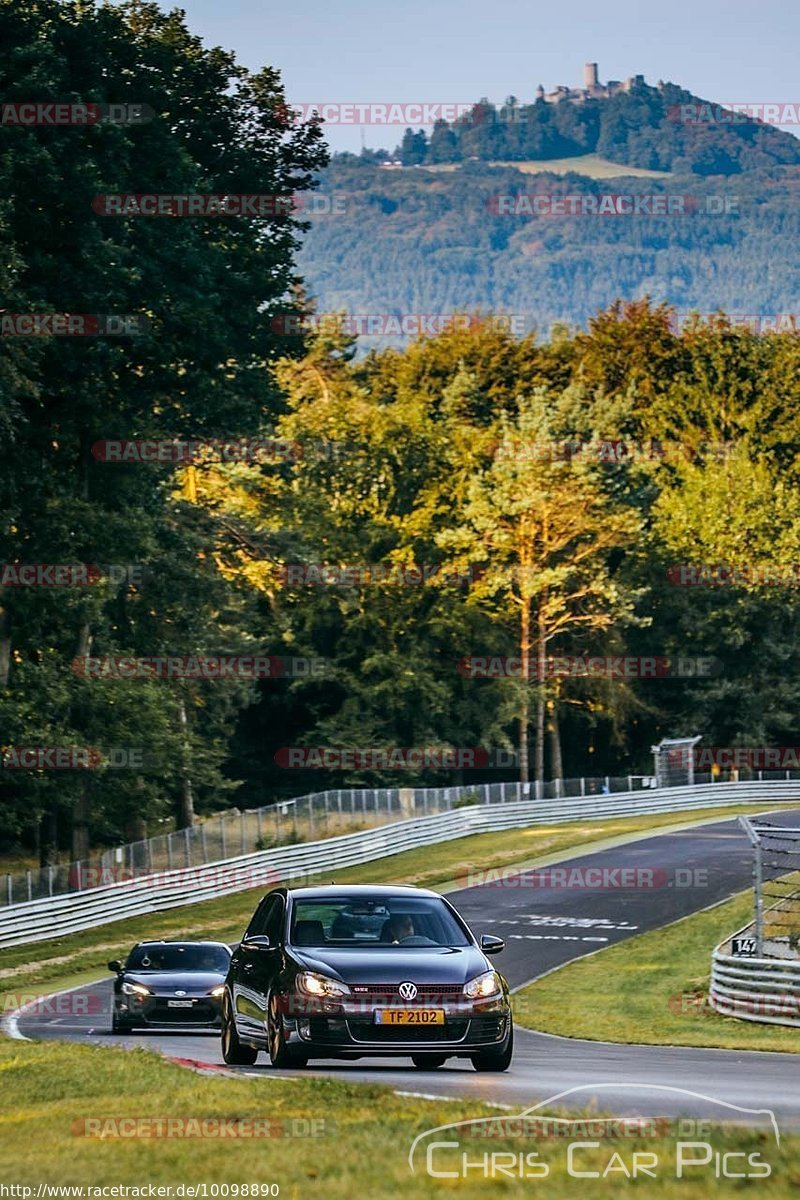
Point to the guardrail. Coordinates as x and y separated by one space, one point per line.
51 917
283 823
766 990
308 819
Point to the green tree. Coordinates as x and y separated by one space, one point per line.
209 287
544 531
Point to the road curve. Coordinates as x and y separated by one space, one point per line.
547 920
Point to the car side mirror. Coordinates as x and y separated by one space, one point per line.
258 941
115 966
491 944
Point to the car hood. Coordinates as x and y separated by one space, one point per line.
194 983
424 964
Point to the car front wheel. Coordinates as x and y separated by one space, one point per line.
233 1052
119 1025
280 1054
495 1060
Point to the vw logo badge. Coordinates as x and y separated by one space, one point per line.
408 991
180 993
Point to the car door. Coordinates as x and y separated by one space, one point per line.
256 965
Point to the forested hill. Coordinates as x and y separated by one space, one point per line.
481 215
661 128
435 242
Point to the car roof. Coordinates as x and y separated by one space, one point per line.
178 942
342 891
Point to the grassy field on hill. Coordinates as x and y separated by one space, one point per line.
592 165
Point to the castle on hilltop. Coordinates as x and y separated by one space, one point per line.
592 88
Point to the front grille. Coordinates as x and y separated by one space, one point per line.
202 1012
425 991
365 1031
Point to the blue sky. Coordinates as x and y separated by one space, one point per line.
429 51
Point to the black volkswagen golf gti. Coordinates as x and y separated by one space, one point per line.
348 972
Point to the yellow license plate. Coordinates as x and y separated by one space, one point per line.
409 1016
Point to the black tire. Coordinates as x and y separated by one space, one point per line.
233 1052
428 1062
495 1060
281 1055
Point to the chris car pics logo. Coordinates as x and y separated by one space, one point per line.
536 1147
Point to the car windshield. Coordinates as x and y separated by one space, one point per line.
393 921
179 958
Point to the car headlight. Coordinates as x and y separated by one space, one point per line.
483 986
218 991
135 989
320 986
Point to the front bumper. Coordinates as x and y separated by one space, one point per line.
205 1012
351 1029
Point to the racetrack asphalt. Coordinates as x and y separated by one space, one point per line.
549 917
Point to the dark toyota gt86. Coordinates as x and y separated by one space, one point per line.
170 983
348 972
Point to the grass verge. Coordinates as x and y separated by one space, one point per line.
439 866
652 988
363 1135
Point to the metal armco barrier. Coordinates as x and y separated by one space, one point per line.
286 822
52 917
755 989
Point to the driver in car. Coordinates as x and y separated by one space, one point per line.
400 926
